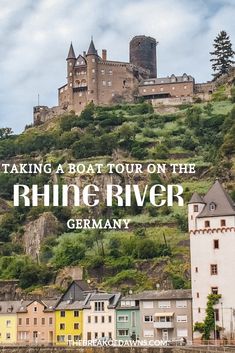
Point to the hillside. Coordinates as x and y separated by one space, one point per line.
35 243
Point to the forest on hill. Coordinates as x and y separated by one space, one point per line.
155 250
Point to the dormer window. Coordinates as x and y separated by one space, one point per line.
212 206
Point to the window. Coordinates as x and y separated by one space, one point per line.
214 290
8 336
35 321
88 336
173 88
102 319
212 206
182 318
96 335
110 335
199 310
214 269
62 326
216 314
50 320
196 269
185 87
43 320
93 71
181 303
8 323
122 318
109 83
102 72
20 321
148 318
216 244
195 208
110 72
102 334
223 223
182 332
27 321
60 338
207 224
110 319
197 294
164 304
76 313
161 89
147 305
89 319
96 319
99 306
62 313
76 326
122 332
148 333
104 83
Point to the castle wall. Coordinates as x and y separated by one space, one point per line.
174 89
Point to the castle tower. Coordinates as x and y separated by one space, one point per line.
212 248
92 73
71 59
143 53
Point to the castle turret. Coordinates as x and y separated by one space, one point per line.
71 60
195 206
92 73
143 53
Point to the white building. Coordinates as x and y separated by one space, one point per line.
212 244
99 316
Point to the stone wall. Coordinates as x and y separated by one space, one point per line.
38 349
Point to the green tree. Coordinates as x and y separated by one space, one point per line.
222 55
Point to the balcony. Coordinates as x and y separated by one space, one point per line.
162 324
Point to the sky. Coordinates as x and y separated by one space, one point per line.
35 36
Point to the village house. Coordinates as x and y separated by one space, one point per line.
8 321
69 314
99 316
36 322
165 314
128 319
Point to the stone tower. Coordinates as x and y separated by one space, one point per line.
143 53
92 73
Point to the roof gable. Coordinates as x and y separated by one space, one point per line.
217 202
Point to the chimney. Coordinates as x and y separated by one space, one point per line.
104 54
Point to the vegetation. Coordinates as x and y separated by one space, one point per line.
208 325
222 55
201 133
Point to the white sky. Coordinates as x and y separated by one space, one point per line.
35 36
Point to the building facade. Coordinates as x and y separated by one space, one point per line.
8 321
212 242
36 322
128 319
99 316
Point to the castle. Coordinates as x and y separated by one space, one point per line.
211 222
94 78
